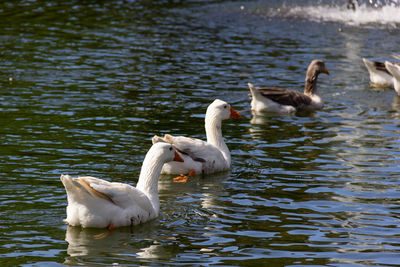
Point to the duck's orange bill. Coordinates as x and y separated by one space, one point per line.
235 114
177 157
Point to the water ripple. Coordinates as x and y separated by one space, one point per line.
84 91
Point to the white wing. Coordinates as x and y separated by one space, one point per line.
122 195
94 202
199 155
197 149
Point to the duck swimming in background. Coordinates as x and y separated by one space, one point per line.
394 70
94 202
202 157
272 99
378 74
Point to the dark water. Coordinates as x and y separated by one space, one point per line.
85 85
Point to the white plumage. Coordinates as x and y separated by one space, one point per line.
394 70
378 74
200 156
94 202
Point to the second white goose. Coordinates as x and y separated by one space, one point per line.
199 156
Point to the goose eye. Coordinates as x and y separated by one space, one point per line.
170 148
225 106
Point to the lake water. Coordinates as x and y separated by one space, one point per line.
86 84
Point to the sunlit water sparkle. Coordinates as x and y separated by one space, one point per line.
86 85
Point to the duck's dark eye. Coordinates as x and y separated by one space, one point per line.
225 106
170 148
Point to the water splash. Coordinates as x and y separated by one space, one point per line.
366 13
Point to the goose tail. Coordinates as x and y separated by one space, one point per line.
253 91
75 190
166 139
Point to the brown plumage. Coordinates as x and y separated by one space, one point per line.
282 100
380 66
285 97
379 74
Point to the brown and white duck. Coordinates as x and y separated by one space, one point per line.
379 75
272 99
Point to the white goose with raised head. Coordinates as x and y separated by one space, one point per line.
94 202
199 156
273 99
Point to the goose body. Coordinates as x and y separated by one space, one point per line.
94 202
378 74
279 100
198 155
394 70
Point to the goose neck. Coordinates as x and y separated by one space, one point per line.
213 131
214 137
148 179
310 87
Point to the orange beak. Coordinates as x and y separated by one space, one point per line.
177 157
326 71
234 114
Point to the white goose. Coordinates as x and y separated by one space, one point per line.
199 156
378 74
94 202
273 99
394 70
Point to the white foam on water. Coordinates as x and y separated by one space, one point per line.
364 14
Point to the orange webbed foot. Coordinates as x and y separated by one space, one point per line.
183 178
106 233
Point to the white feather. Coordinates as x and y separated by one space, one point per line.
394 69
377 77
94 202
200 156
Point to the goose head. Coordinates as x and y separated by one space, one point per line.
316 67
220 110
165 152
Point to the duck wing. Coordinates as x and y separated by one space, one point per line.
196 149
380 66
119 194
285 97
